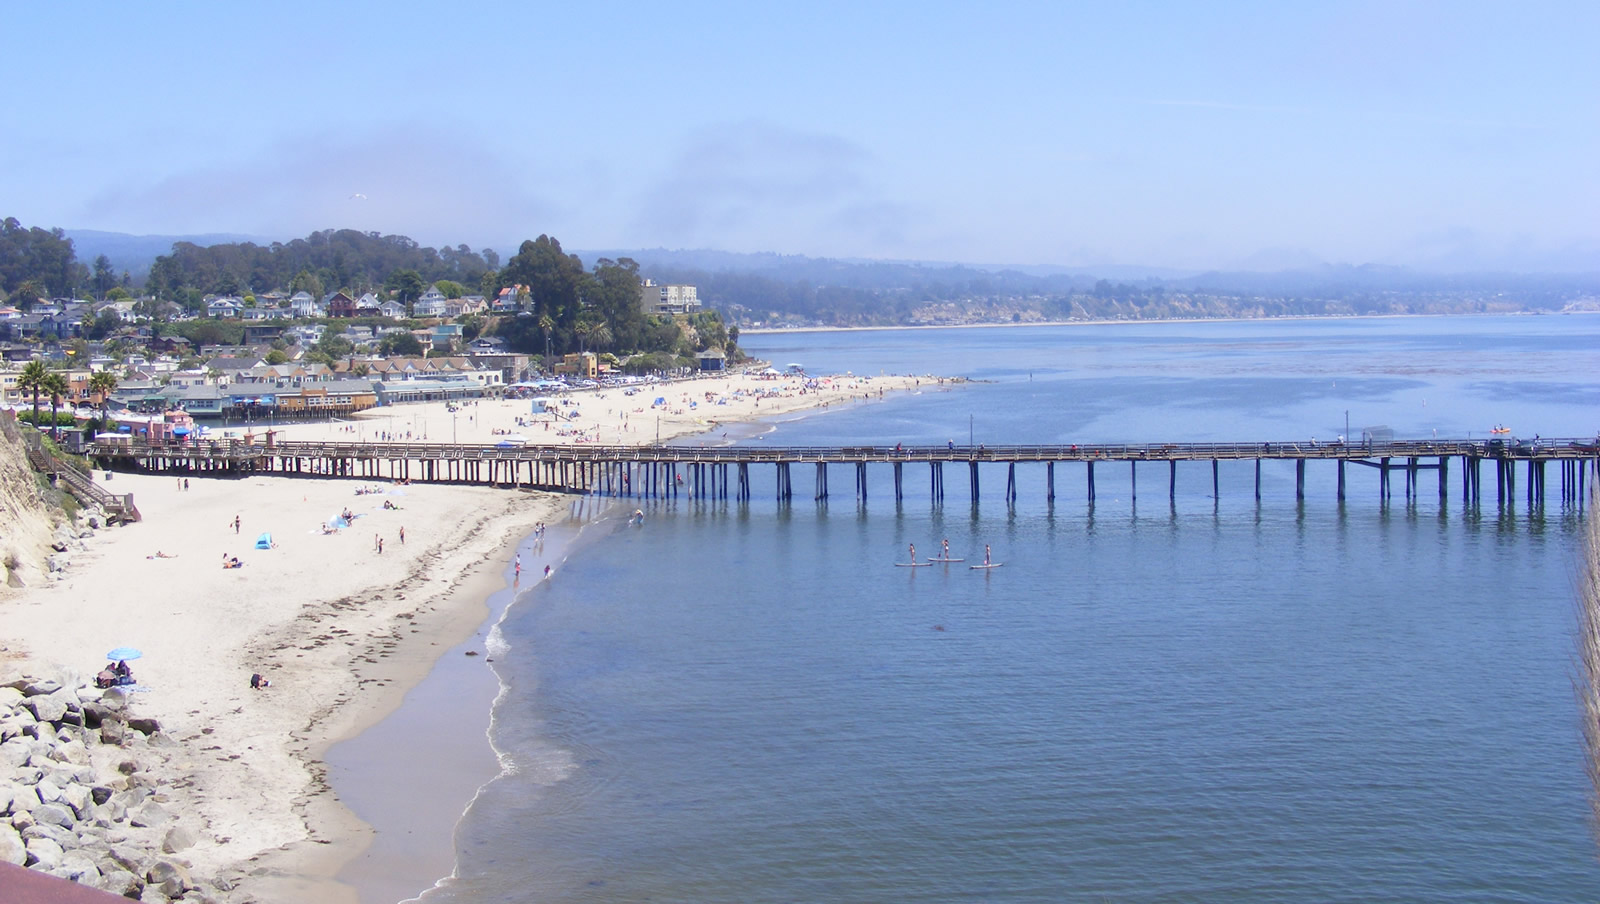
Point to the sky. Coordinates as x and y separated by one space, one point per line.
1443 136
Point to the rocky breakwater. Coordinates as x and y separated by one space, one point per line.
75 801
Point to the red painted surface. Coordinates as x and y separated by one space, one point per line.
24 886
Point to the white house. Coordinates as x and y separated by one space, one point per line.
392 309
367 305
303 305
224 307
431 304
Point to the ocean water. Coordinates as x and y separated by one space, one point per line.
1195 698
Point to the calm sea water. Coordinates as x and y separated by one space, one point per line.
1196 699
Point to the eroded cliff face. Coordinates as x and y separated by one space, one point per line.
28 520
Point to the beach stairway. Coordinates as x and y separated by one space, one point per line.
69 476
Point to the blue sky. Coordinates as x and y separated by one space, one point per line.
1439 135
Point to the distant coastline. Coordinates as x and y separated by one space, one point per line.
758 331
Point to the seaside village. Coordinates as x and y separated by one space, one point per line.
139 379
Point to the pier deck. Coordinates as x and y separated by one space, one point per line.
703 471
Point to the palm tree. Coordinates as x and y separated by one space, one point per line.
547 326
32 379
103 383
56 385
600 335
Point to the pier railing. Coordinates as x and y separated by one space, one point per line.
238 450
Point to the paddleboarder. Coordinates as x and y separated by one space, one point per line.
913 553
986 554
945 554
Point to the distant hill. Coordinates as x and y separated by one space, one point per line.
135 253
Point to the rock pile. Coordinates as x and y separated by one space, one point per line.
75 802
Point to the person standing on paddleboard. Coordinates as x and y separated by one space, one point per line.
913 553
985 553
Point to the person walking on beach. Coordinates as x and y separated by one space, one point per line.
402 535
519 565
236 524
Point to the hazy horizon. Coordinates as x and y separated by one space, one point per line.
1441 137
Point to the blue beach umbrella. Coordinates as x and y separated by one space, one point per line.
121 653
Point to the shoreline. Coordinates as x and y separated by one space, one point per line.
345 632
361 872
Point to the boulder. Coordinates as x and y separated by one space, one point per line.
148 814
58 563
145 725
169 877
78 867
8 796
113 732
10 698
47 791
161 739
78 798
15 752
46 707
60 836
119 881
127 767
12 850
113 811
34 687
73 752
178 838
100 793
43 854
96 712
53 814
153 895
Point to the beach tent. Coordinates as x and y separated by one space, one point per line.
264 541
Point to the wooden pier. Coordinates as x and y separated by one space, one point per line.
724 472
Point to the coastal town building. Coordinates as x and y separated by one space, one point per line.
668 299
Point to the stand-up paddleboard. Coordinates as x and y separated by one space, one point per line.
913 564
982 567
936 559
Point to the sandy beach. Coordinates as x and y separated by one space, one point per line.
340 629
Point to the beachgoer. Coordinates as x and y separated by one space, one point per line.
402 535
380 546
257 682
985 553
945 551
547 571
186 483
236 524
913 553
519 564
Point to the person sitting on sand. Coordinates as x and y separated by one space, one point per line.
257 682
161 555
